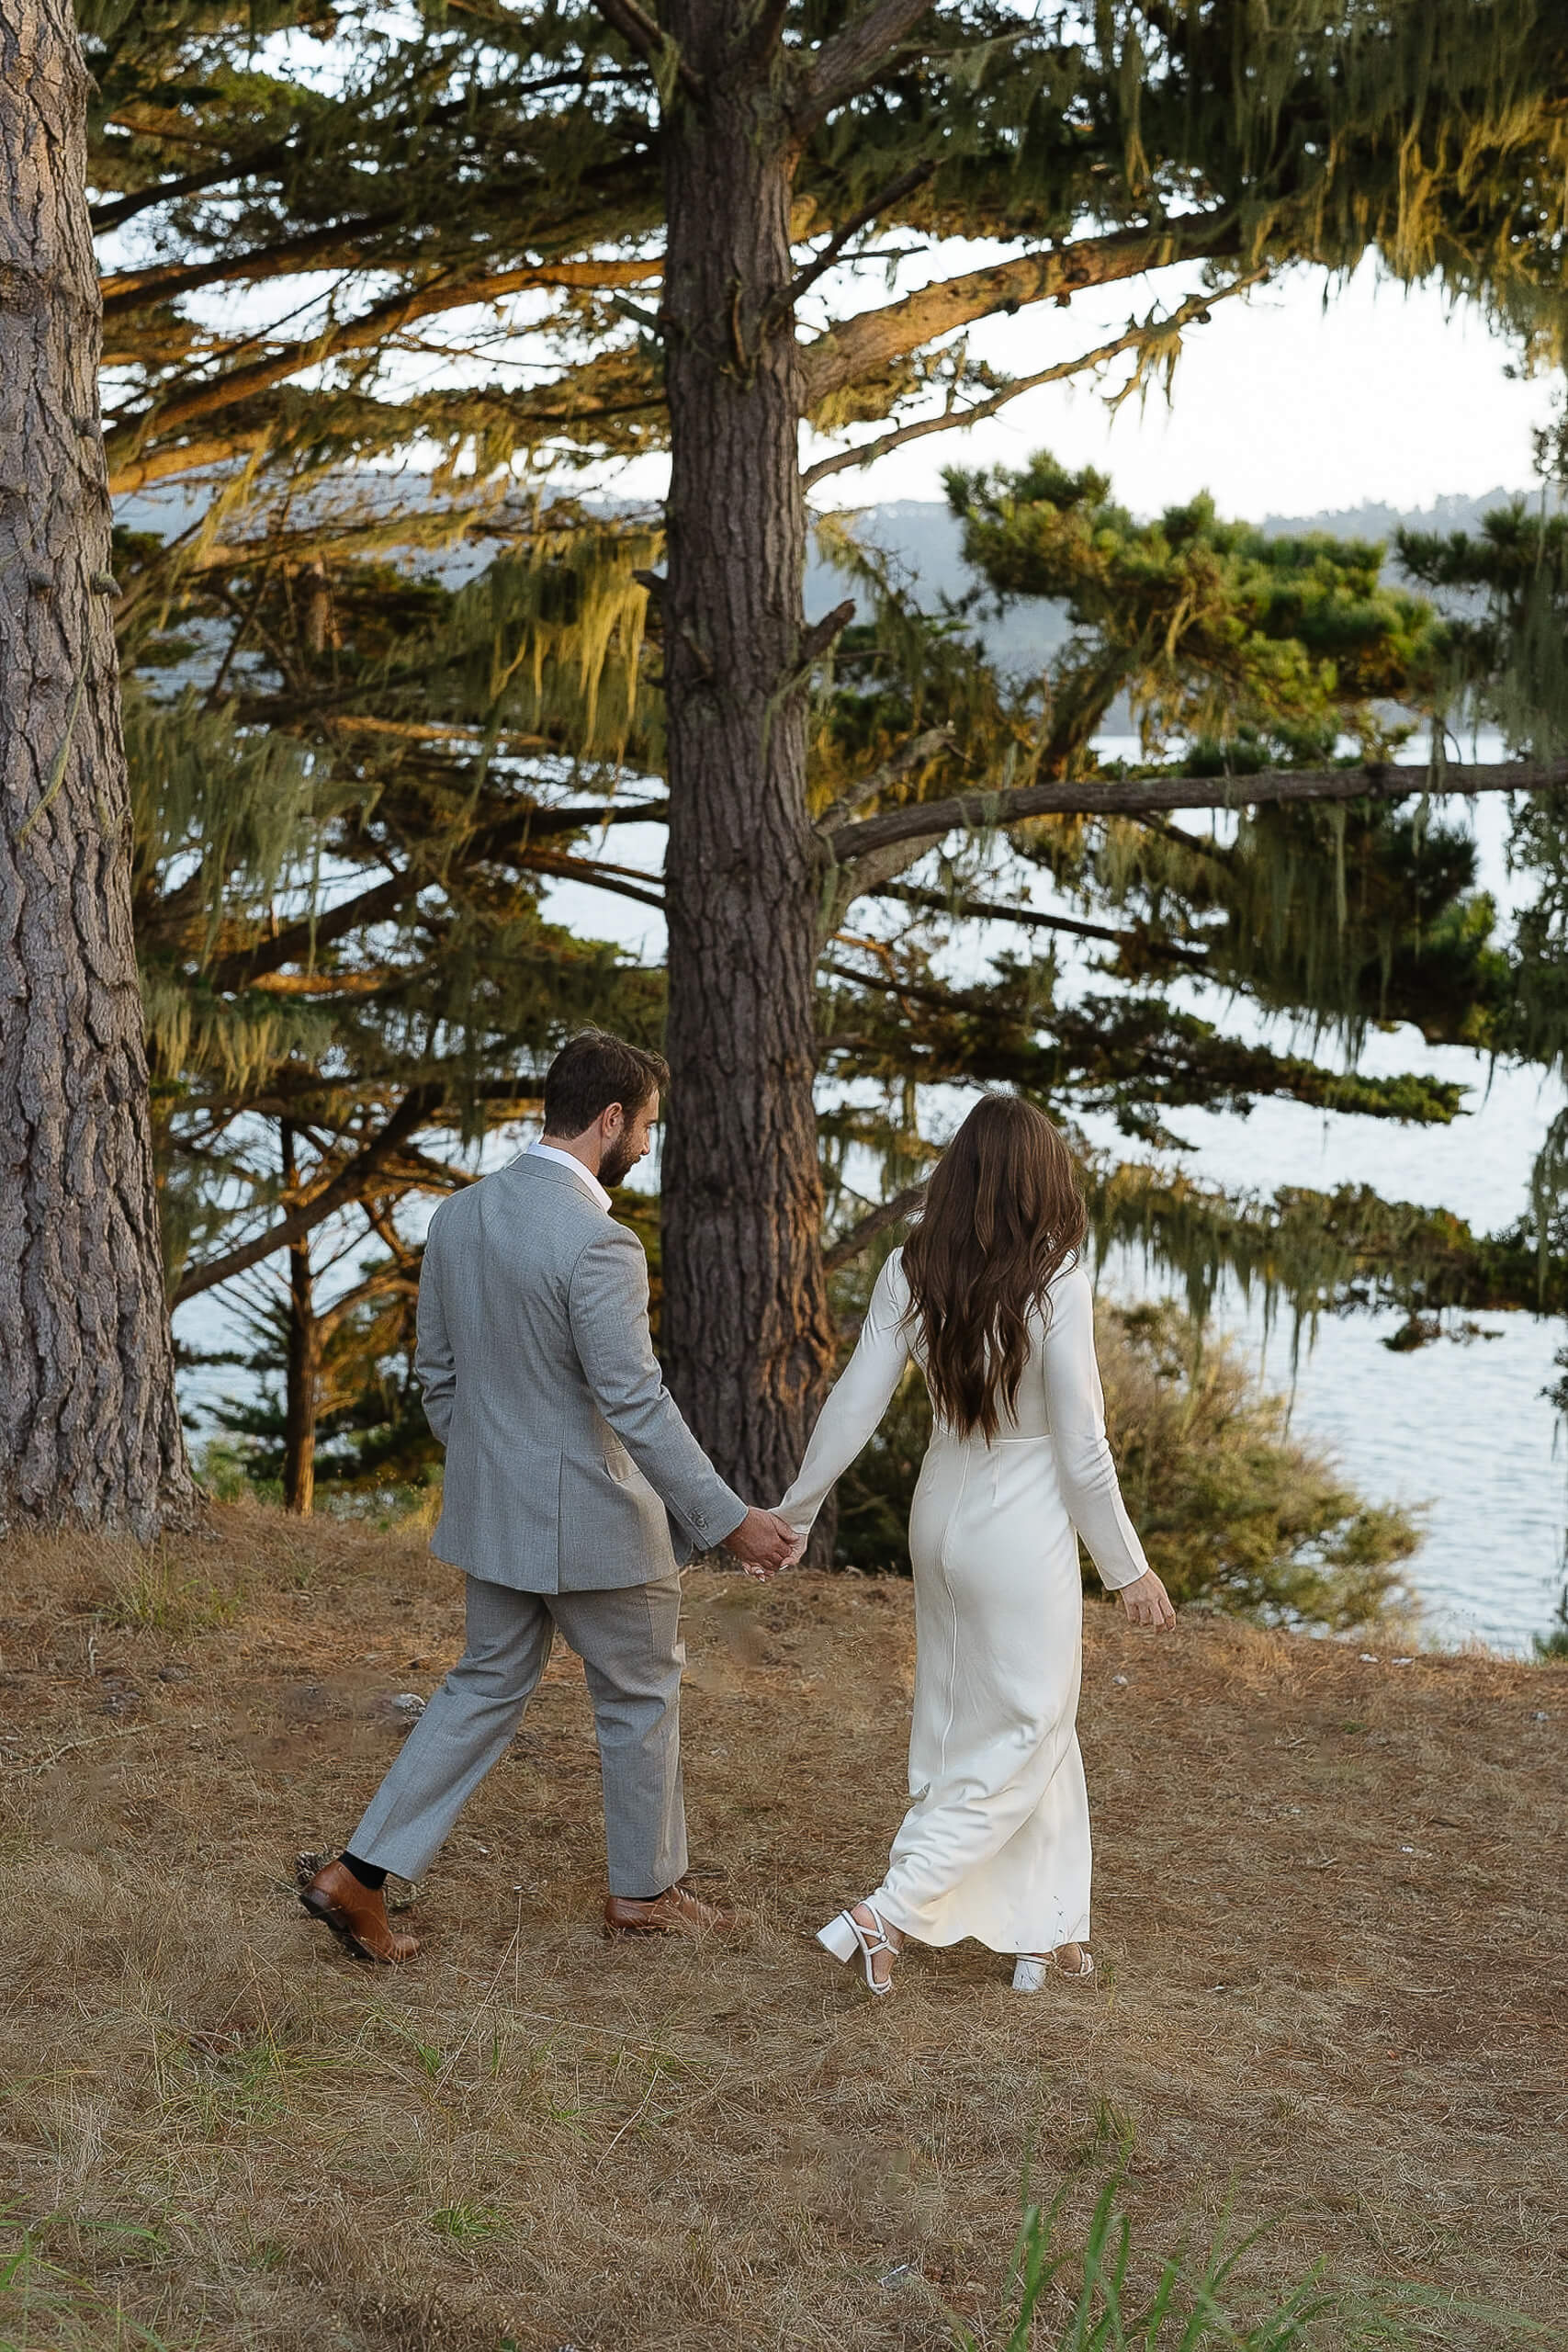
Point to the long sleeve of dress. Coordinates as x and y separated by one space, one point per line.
1074 1406
857 1401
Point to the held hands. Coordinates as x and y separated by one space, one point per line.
763 1542
1147 1601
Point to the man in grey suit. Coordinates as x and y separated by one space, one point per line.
573 1492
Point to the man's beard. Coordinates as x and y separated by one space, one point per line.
617 1163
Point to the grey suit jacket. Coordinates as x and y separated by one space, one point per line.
569 1468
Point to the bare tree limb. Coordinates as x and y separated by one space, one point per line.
860 1236
913 754
651 40
845 64
624 880
1034 919
412 1112
336 247
119 210
248 965
903 186
1136 795
131 471
440 293
917 991
815 640
382 900
1195 309
875 339
339 242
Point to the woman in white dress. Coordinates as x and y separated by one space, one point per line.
989 1297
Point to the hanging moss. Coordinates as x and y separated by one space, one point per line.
551 635
1318 1253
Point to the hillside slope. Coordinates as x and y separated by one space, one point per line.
1331 1915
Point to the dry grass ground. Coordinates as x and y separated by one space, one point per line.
1330 1917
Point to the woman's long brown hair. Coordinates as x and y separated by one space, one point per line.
1003 1213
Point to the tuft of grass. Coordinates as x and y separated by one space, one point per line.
41 2303
151 1592
468 2224
222 1470
1087 2302
1555 1644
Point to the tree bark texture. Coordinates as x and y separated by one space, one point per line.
302 1365
746 1333
89 1429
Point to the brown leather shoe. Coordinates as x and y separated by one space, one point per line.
676 1912
355 1913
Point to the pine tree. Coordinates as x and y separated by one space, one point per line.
89 1431
1508 665
336 905
672 198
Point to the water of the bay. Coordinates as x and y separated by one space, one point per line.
1460 1427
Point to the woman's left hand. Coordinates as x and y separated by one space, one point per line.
1147 1601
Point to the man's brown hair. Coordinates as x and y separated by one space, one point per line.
592 1070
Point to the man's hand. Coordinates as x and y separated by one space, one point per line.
762 1543
1147 1601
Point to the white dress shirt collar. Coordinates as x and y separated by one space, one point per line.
567 1159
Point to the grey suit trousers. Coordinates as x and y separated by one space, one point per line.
628 1640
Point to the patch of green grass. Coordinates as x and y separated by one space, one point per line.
1058 2301
468 2224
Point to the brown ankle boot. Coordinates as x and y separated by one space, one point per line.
355 1913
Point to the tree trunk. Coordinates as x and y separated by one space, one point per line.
302 1365
89 1429
746 1331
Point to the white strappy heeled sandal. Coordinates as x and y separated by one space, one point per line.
1034 1967
844 1937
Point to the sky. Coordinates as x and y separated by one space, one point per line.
1281 405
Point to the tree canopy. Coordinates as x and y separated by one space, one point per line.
499 247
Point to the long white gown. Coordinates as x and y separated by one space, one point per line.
996 1842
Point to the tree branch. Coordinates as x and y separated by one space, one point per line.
650 42
248 965
875 339
903 186
623 880
917 991
844 64
121 209
131 471
1135 796
441 293
1194 309
412 1112
815 640
335 248
1034 919
913 754
860 1236
117 211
